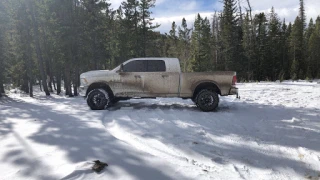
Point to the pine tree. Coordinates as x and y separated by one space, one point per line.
173 50
284 52
201 46
302 14
3 22
287 67
184 45
261 63
195 44
30 5
146 24
309 32
216 41
229 33
130 31
274 44
314 51
296 49
248 46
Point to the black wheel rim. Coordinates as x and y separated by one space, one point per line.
206 100
98 100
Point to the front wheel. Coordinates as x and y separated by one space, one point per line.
207 100
98 99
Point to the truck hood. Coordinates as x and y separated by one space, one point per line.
98 73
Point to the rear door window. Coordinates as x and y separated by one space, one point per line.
156 66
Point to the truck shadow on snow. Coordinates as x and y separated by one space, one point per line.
144 105
238 134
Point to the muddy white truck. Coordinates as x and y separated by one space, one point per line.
152 78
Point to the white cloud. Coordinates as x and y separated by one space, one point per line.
287 9
158 2
115 3
167 11
188 6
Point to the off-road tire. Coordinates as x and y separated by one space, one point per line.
207 100
98 99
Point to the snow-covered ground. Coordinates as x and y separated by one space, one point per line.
273 132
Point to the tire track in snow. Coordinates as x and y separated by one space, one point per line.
151 146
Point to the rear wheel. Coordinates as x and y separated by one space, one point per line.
207 100
98 99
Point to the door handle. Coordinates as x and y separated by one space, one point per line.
164 76
137 76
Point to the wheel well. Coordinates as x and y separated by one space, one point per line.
99 86
207 85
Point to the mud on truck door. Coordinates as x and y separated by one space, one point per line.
155 79
131 79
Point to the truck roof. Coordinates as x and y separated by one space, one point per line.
155 58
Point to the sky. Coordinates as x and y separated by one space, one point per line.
167 11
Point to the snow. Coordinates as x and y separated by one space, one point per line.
272 132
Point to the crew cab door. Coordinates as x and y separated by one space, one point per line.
158 82
132 79
155 79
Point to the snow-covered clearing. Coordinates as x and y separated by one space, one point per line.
273 132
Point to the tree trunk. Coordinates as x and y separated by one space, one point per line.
30 88
38 48
40 85
75 89
1 77
30 65
25 85
49 83
58 83
76 81
1 86
67 82
53 81
74 51
47 60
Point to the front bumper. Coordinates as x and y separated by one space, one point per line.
83 90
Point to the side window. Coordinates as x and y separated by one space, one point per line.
156 66
135 66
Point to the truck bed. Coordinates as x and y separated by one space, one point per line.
189 81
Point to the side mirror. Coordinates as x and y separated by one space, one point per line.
120 69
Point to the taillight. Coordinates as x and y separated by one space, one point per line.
234 80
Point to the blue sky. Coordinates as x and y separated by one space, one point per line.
167 11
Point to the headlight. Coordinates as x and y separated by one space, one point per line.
84 81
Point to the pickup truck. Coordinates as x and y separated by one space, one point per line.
152 78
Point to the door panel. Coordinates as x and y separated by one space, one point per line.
158 82
131 79
131 84
154 84
172 83
155 79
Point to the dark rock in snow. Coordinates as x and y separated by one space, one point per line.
98 166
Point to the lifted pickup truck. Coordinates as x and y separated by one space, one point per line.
155 77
